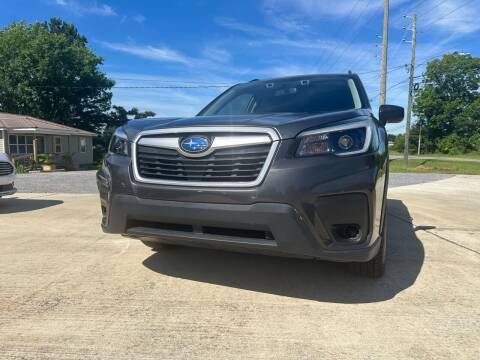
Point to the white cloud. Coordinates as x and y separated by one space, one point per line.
150 52
243 27
166 102
140 19
300 10
192 77
455 16
315 8
92 8
217 54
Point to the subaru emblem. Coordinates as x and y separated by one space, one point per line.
195 144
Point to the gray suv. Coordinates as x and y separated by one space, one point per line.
294 166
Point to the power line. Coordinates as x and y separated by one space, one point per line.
376 71
347 46
373 98
394 86
399 67
130 87
397 47
433 8
172 81
172 87
340 26
411 9
449 13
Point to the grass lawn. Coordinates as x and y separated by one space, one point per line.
436 166
470 155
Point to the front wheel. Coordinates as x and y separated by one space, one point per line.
375 268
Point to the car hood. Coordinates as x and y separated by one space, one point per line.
287 125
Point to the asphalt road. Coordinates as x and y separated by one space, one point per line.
68 291
83 182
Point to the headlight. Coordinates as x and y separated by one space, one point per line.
119 144
341 140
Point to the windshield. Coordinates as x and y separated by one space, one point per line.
287 96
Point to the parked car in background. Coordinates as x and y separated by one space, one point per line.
7 176
294 166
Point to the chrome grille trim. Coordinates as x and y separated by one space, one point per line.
257 136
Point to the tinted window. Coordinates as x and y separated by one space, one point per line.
299 96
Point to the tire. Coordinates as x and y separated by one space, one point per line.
157 246
375 268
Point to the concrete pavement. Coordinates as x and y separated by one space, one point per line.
68 291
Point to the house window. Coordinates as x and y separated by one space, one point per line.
83 145
20 144
23 144
57 144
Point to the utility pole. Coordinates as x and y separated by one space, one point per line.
383 72
410 87
419 138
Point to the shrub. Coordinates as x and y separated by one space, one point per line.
453 145
399 143
475 141
20 169
68 162
47 159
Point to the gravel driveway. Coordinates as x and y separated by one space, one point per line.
83 182
72 182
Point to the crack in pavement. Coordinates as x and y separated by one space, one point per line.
410 221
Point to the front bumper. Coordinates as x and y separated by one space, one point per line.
269 228
6 190
7 185
294 212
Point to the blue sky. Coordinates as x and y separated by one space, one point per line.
203 42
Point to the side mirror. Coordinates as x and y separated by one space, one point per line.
390 114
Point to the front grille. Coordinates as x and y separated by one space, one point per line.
5 168
147 226
235 165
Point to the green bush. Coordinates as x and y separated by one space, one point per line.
453 145
20 169
47 159
475 141
399 143
68 162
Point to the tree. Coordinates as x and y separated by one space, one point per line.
448 101
48 71
117 117
391 137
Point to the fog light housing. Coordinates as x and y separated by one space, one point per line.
348 233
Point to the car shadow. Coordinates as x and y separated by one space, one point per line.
13 205
304 279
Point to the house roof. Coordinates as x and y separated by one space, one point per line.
25 123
